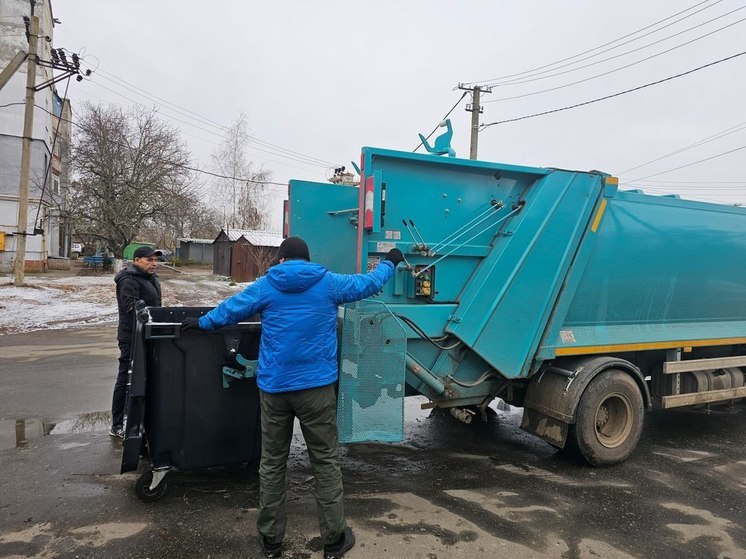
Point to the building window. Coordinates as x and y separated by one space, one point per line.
57 105
55 185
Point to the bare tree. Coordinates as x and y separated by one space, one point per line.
130 171
186 218
242 202
263 257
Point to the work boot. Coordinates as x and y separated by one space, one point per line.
270 549
343 544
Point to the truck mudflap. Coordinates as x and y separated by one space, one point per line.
553 394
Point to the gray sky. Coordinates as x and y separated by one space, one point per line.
323 79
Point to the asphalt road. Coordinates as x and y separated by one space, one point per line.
449 490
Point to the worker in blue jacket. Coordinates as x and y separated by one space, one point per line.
297 372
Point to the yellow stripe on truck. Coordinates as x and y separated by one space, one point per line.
584 350
599 215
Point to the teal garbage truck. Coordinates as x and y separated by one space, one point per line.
550 289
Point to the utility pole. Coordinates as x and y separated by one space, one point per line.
475 108
28 130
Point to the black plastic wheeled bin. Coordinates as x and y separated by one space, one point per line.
193 400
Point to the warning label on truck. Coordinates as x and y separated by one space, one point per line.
567 336
373 261
384 247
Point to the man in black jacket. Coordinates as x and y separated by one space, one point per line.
136 282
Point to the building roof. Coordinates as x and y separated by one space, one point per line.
256 237
198 241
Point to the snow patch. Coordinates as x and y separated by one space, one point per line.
76 301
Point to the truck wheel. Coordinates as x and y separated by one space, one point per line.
609 419
143 491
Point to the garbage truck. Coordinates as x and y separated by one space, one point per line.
550 289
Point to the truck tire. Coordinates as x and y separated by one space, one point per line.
609 419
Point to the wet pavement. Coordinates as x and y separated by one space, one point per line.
448 490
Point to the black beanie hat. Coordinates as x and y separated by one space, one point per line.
294 248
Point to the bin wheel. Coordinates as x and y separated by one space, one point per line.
609 419
143 491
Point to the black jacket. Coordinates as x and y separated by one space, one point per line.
134 285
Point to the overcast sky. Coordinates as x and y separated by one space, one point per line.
322 79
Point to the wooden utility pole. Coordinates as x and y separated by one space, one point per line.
28 130
475 108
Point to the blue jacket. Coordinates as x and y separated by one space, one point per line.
297 301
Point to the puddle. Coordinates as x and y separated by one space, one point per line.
86 423
17 433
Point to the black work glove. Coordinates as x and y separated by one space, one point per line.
191 323
395 256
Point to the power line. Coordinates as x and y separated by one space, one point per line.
716 136
229 177
148 94
687 165
209 122
179 165
605 44
51 158
620 67
724 198
205 120
263 160
614 94
713 189
696 182
531 77
445 117
219 135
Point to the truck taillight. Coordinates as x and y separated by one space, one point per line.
285 219
368 217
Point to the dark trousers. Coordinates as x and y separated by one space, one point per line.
120 386
316 409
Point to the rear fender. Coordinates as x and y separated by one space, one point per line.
554 393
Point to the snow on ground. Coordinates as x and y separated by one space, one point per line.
74 301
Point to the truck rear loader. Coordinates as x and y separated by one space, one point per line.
551 289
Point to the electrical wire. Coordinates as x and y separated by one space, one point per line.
230 177
277 150
202 119
135 89
600 46
442 119
51 158
698 198
684 166
696 182
532 77
614 94
218 134
620 68
179 165
726 190
11 104
716 136
263 160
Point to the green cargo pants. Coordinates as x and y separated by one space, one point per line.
316 409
